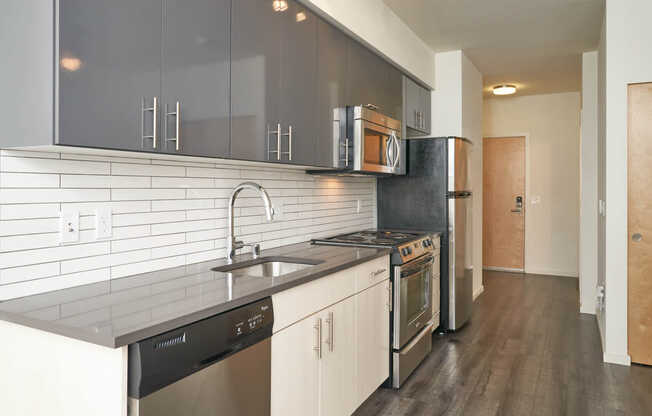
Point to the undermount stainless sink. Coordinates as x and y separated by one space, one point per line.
267 266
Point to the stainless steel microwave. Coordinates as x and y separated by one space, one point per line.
366 141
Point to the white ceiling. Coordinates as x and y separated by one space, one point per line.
534 44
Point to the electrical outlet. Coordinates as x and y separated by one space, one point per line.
68 227
358 205
103 223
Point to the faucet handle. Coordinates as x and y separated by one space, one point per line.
255 248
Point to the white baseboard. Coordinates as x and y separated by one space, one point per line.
551 272
478 293
503 269
621 359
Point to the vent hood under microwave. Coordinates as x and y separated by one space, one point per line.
365 142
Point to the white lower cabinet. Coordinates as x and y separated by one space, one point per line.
295 369
338 388
329 362
372 333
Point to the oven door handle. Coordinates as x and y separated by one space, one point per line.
407 271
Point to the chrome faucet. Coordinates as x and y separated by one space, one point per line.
231 243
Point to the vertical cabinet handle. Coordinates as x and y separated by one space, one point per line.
289 135
331 322
177 114
276 132
317 348
346 152
389 296
154 110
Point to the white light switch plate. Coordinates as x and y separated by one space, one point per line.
103 223
68 227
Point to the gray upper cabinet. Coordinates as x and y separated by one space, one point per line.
331 89
417 108
255 80
109 73
195 78
298 96
372 80
273 82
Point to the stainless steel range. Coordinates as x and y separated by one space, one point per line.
411 318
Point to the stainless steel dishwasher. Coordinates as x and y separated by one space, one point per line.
218 366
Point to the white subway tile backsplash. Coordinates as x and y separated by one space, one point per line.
131 169
34 165
165 214
146 194
28 180
25 211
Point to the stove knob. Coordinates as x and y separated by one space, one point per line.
425 243
409 250
404 251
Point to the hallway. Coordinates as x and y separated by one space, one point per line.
526 351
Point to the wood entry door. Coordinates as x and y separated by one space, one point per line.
639 253
503 218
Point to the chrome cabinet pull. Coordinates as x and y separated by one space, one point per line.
331 323
376 273
346 152
277 132
387 156
317 348
177 114
154 135
289 135
389 296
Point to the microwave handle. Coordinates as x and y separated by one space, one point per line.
397 153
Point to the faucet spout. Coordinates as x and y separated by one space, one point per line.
231 243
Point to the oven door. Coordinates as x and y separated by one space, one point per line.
412 298
378 148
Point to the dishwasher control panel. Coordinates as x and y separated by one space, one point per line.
253 317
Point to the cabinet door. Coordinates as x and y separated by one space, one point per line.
255 79
331 89
412 103
196 75
367 76
372 350
295 370
109 65
425 109
394 93
298 84
338 366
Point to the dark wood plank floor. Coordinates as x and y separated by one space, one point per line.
526 351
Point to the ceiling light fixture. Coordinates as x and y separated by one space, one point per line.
504 89
301 16
280 5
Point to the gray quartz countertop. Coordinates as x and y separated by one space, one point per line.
126 310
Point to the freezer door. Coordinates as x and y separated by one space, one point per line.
460 271
458 164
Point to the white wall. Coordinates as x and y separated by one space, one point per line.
552 123
166 213
447 98
628 60
457 111
376 24
472 130
602 180
589 184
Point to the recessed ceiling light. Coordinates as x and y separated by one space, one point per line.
301 16
280 5
71 63
504 89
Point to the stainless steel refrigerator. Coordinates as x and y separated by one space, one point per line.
435 195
